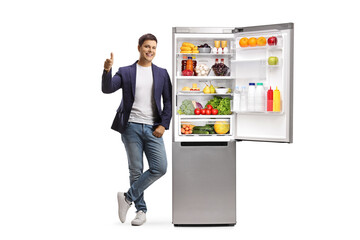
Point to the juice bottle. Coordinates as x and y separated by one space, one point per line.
277 102
270 100
183 63
189 64
194 65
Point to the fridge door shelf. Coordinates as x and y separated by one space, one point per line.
267 47
261 113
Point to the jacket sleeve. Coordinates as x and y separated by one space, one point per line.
111 84
167 102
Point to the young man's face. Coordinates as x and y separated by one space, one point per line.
147 50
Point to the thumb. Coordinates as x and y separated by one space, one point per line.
111 56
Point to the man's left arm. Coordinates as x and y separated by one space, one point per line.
166 113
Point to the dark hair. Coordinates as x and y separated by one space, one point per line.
145 37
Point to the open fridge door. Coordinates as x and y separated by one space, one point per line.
265 64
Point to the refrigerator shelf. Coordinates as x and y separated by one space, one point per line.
204 94
205 78
205 54
206 117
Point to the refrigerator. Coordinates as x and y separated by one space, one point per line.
237 61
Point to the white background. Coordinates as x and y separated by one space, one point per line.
61 165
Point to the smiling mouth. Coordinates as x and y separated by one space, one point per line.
149 54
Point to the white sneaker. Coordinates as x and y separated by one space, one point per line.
140 219
123 206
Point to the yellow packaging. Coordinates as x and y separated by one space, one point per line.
276 100
185 51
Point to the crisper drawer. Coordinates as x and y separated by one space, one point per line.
210 128
193 126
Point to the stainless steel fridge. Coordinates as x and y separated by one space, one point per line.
246 74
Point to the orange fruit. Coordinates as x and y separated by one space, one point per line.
252 42
244 42
261 41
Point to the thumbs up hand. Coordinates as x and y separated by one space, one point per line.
109 62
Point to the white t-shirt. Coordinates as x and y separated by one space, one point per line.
144 107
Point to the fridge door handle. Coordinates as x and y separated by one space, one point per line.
204 144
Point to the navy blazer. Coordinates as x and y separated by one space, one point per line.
125 78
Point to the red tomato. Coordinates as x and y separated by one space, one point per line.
214 111
197 111
203 111
209 107
208 112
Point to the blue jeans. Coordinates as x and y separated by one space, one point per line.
138 138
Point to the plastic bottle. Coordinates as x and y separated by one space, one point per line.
270 100
189 64
236 100
243 99
251 97
259 98
277 102
194 65
183 63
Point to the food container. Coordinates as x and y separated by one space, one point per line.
204 50
221 90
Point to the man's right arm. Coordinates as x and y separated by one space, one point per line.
110 84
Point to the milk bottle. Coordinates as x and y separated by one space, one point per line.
260 98
236 100
251 97
243 99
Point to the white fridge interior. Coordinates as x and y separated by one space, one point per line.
247 65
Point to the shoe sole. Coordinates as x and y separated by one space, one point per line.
118 198
138 224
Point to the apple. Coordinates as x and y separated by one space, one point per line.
273 60
272 41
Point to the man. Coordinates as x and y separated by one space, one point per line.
141 121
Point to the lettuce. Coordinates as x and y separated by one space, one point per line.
221 104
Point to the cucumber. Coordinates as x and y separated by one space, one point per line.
203 128
199 132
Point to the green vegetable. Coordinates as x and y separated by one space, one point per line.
203 128
224 107
187 107
214 102
200 132
221 104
